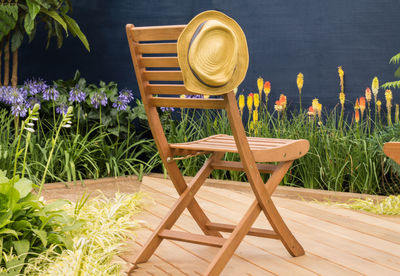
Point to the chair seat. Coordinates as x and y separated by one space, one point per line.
263 149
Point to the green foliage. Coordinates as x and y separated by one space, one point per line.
27 225
394 84
346 157
22 17
108 223
388 206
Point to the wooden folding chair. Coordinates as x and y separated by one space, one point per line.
392 150
153 51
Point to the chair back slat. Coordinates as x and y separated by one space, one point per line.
187 103
162 76
157 48
168 62
158 33
168 89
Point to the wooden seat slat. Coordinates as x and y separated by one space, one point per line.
157 33
169 62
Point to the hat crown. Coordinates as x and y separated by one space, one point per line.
213 53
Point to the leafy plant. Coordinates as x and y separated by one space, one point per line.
27 225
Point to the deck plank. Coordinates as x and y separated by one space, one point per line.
337 241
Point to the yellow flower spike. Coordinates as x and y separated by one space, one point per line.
241 103
378 104
256 100
250 102
319 110
375 88
368 95
341 77
315 104
357 116
260 83
389 97
396 114
255 116
342 98
300 81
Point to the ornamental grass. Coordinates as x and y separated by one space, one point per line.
345 143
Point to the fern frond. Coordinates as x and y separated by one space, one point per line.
395 59
392 84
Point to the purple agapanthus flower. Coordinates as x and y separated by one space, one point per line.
99 98
126 95
13 95
77 95
51 93
166 109
62 109
120 105
19 109
35 86
30 103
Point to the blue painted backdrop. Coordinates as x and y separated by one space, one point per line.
284 37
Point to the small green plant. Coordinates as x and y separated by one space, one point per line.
27 225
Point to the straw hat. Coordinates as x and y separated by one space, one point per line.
212 54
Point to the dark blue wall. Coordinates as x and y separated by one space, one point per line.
284 37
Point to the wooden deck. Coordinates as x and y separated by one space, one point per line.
337 241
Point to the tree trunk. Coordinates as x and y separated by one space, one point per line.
1 55
7 62
14 77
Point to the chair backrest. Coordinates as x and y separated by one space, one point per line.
153 51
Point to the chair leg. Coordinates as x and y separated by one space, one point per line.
228 249
180 205
289 241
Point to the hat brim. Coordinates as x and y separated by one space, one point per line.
190 80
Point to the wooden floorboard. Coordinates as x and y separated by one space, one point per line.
337 241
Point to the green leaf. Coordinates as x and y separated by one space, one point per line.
397 73
9 231
5 218
22 246
29 23
21 225
16 40
56 17
42 236
76 31
55 205
24 187
33 9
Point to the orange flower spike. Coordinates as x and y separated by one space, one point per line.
368 94
357 116
267 88
311 111
357 105
362 106
260 83
278 106
283 100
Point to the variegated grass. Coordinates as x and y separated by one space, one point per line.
108 222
